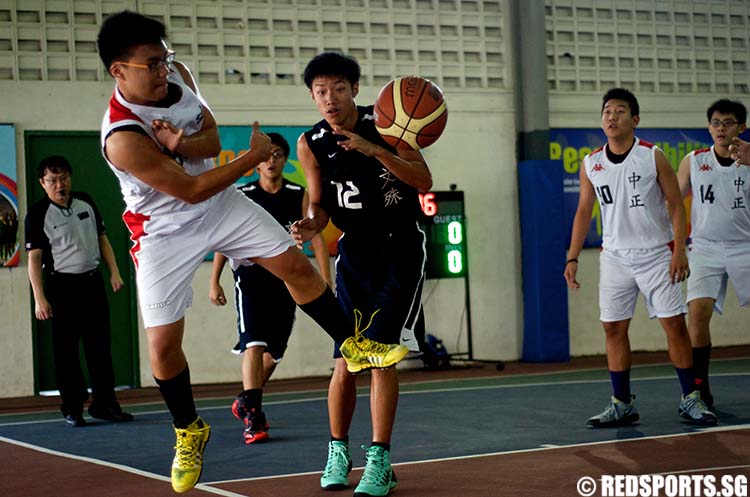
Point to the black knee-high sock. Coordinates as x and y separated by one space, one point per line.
325 311
178 394
621 385
687 379
701 358
253 399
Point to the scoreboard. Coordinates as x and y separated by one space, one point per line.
444 225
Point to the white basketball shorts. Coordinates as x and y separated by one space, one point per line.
233 225
712 264
625 273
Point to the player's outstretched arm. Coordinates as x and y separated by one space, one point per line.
581 223
138 155
201 145
683 176
317 218
739 150
319 248
215 290
667 179
408 165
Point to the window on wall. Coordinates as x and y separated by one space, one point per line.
658 50
264 42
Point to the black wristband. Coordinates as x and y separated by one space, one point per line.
571 260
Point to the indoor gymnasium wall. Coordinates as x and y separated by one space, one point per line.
678 57
248 57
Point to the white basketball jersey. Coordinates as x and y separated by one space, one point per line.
162 212
721 199
634 213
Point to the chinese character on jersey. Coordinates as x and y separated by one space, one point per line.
387 177
635 201
392 197
739 183
633 179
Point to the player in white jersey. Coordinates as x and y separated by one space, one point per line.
643 251
720 218
158 137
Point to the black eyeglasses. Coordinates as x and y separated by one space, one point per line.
715 123
52 181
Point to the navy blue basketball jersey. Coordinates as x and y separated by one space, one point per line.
359 193
285 205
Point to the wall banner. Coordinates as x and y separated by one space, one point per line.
571 145
9 246
235 141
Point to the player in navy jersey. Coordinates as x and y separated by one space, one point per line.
158 137
369 191
720 219
643 250
265 310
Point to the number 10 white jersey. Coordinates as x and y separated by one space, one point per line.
634 213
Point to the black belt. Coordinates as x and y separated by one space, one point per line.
87 274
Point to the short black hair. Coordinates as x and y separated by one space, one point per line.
622 94
55 164
280 141
726 106
120 33
332 64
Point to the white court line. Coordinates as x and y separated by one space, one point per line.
324 392
120 467
547 384
704 470
402 393
521 451
576 371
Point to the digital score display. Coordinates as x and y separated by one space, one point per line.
444 225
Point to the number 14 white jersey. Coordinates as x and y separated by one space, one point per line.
634 213
721 199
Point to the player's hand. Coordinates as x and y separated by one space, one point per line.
571 269
167 134
260 144
739 150
116 281
42 309
679 270
216 294
356 142
303 230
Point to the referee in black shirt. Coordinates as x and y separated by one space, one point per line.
65 242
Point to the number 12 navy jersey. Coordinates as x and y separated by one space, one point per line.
359 192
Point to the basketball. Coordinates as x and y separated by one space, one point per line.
410 113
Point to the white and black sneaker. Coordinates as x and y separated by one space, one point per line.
694 410
617 413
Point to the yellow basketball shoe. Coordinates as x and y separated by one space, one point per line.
362 353
188 459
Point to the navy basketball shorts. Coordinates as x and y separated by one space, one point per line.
381 276
265 310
